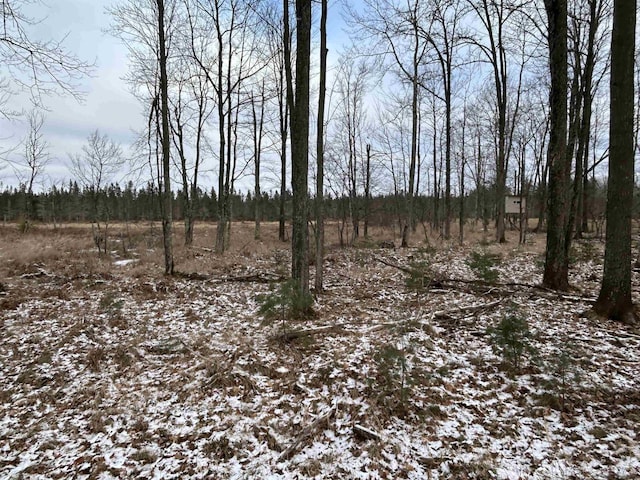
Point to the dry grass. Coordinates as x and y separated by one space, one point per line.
69 250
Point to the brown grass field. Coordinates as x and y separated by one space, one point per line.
71 245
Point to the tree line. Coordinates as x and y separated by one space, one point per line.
71 203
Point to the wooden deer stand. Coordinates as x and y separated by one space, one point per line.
515 209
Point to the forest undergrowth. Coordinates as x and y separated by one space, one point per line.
436 361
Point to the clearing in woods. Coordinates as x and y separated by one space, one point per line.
436 361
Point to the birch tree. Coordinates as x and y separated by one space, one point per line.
36 157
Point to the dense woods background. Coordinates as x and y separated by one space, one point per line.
70 203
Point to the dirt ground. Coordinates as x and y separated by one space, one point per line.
435 361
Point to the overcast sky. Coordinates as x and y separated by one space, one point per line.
108 105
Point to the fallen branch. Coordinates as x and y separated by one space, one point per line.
192 276
381 326
295 334
440 314
168 346
307 433
493 288
394 265
254 278
364 433
467 309
39 272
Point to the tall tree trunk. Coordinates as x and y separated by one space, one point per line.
436 194
414 142
320 151
501 174
542 197
258 124
288 106
367 192
284 129
585 127
614 300
187 200
177 131
353 169
300 148
584 196
447 169
282 220
222 198
576 102
462 166
556 270
167 217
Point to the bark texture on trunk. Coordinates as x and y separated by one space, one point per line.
300 148
614 300
167 217
556 269
320 151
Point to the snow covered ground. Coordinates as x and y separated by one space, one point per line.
126 375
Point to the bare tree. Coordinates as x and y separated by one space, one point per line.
392 29
495 17
279 43
146 27
320 149
191 109
258 129
167 196
96 167
36 157
277 113
40 67
479 161
461 161
587 41
232 58
443 35
351 86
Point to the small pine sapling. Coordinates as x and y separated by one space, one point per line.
564 373
483 265
420 276
511 339
393 377
287 302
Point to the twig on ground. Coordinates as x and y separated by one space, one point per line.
365 433
307 433
467 309
295 334
261 277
